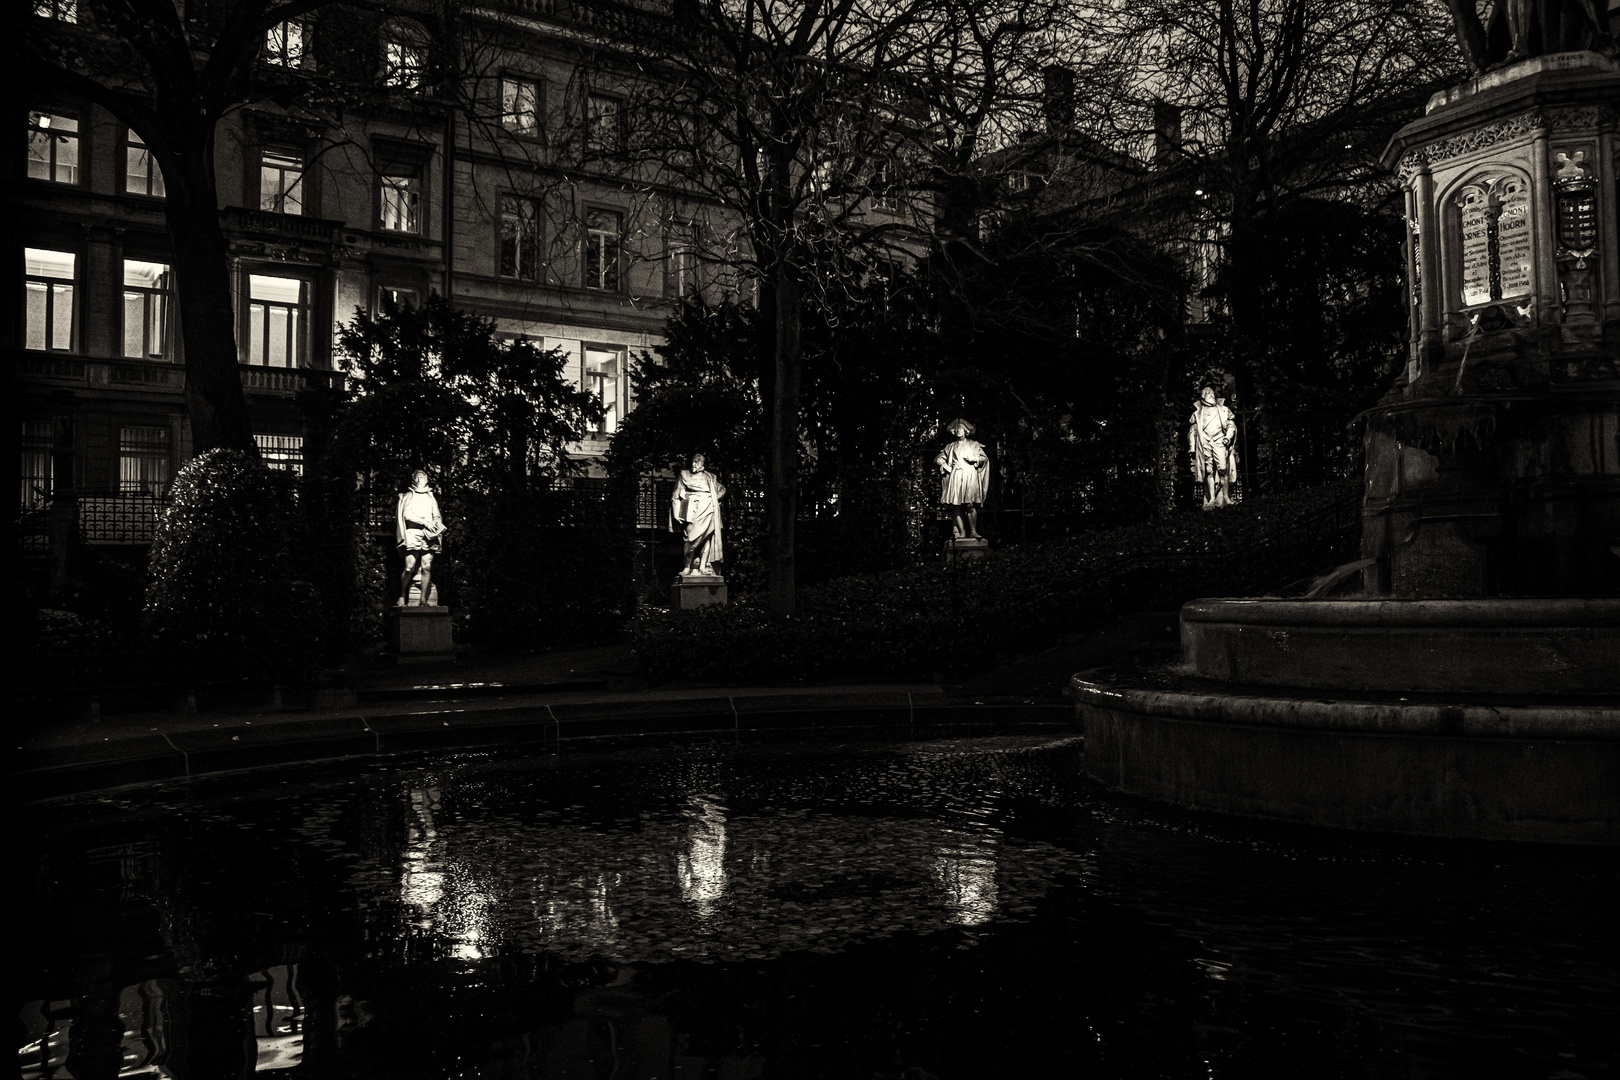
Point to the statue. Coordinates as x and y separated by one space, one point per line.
1516 30
1211 439
964 479
696 505
419 532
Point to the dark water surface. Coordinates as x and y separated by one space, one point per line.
954 907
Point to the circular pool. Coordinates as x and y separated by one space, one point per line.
837 905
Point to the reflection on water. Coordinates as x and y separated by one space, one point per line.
702 866
953 909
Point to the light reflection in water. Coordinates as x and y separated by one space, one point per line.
449 899
965 868
701 867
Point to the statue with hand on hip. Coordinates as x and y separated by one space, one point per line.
419 532
1212 441
695 508
964 479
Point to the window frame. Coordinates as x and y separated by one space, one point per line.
300 339
154 172
386 293
165 317
281 451
158 452
36 464
534 238
620 128
417 203
612 416
683 242
66 11
51 285
537 106
618 252
410 72
279 53
279 202
52 166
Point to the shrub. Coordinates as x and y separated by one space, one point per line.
221 575
932 620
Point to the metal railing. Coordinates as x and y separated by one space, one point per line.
127 518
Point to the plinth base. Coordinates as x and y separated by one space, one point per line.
966 547
697 590
420 634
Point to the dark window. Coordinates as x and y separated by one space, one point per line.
48 299
147 288
604 124
390 298
37 441
520 239
53 147
603 232
683 254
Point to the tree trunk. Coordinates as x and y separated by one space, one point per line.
202 279
781 493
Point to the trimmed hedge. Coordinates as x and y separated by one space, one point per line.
929 621
221 573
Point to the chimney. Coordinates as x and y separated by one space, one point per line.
1057 98
1166 134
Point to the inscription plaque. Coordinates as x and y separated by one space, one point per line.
1515 246
1496 239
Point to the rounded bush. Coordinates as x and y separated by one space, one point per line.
221 573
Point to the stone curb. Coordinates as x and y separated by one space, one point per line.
159 755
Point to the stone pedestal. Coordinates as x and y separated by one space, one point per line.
965 547
697 590
420 634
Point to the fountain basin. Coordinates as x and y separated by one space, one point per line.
1498 645
1544 771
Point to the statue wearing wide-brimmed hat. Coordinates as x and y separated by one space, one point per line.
964 479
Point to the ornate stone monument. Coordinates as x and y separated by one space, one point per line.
695 512
1472 687
964 481
419 628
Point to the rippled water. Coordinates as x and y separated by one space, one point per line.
962 907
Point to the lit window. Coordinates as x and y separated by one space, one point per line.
62 10
392 299
284 44
604 369
142 176
282 452
683 262
520 106
53 147
147 288
404 62
277 317
603 230
143 460
886 190
399 199
520 239
37 444
281 181
48 288
604 124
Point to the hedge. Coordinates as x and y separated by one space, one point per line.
931 621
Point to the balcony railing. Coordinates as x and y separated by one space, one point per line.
158 375
267 223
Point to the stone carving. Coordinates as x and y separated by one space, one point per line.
419 532
1418 159
695 507
1212 441
964 479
